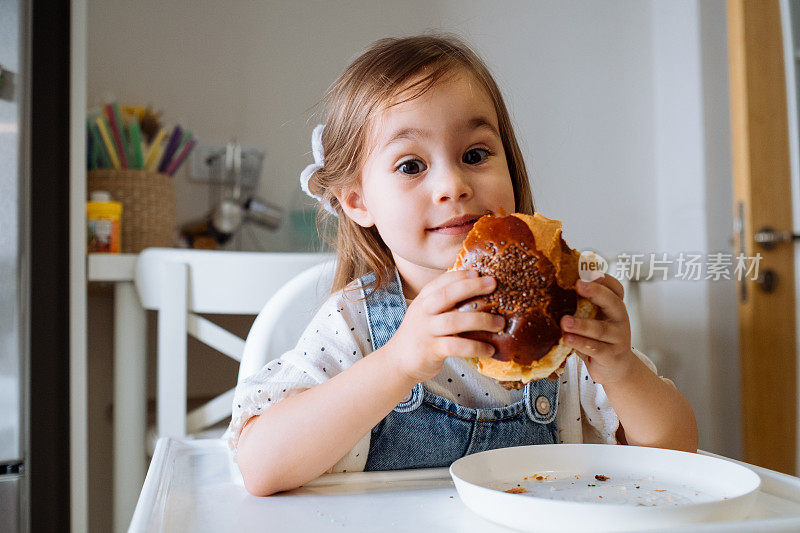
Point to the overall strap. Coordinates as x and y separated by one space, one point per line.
385 307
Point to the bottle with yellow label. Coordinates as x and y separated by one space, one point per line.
103 218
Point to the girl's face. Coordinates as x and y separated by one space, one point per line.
437 163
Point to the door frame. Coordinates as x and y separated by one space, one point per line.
789 53
762 189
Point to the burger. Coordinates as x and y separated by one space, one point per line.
536 273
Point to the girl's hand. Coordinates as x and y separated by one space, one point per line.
604 342
427 335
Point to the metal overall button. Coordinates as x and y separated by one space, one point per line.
543 405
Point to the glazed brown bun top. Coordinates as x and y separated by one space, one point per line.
536 273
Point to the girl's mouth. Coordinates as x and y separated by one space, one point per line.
455 229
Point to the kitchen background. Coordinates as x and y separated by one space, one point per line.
621 108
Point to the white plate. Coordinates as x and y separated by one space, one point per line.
646 487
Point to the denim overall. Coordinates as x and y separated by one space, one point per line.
426 430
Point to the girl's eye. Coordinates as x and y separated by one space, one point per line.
412 166
471 159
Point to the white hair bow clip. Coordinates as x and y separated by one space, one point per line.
319 162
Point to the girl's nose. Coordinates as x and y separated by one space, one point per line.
452 185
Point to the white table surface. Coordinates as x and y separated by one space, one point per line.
192 485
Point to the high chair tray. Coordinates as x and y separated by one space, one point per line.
193 485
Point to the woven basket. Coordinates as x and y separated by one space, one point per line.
148 205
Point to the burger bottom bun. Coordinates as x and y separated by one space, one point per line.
513 376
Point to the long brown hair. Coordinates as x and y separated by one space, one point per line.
364 89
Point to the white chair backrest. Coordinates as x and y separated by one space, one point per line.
280 323
180 283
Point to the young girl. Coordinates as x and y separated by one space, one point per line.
417 145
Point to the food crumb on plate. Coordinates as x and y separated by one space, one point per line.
516 490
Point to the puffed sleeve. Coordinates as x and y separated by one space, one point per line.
332 342
598 419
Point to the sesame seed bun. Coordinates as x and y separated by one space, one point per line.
536 273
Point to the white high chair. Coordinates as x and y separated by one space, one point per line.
180 284
280 323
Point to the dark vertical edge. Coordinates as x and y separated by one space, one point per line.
48 466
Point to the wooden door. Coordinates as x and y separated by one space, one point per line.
763 197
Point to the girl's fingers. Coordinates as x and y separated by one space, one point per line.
446 297
601 330
604 298
612 283
448 277
586 346
455 322
460 347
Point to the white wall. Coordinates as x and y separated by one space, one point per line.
577 77
620 106
694 323
725 396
